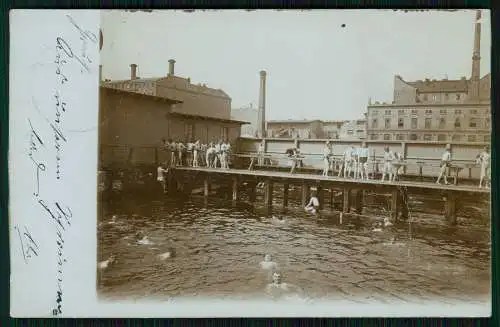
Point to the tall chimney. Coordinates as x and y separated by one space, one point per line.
100 74
261 123
476 59
133 71
171 66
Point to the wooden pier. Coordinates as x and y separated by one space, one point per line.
352 189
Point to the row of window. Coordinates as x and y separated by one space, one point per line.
202 134
473 123
431 137
389 112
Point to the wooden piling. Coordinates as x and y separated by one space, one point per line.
285 195
451 208
235 188
268 193
346 205
359 201
305 194
206 186
332 199
395 204
403 202
319 192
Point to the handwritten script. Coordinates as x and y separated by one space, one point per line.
48 140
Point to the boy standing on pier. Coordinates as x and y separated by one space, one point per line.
388 158
327 153
445 164
348 162
260 153
363 153
484 160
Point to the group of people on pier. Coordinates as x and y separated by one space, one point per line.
196 154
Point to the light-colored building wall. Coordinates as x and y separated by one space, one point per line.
318 129
246 114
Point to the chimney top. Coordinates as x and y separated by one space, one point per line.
263 73
171 61
133 65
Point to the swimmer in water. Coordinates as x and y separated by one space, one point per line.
279 219
141 238
277 287
267 263
166 255
105 264
313 206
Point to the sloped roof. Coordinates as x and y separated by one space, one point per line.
435 86
138 94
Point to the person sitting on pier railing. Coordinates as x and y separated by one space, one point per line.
484 160
347 163
388 158
445 165
327 153
363 153
196 149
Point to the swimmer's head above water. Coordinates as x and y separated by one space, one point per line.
276 278
267 258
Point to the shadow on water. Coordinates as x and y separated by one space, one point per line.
219 245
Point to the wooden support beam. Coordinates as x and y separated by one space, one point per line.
403 200
332 199
268 193
235 188
206 186
319 192
346 205
451 208
305 194
395 204
285 195
252 192
359 201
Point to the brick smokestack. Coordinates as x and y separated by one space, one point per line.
476 59
133 71
171 67
261 124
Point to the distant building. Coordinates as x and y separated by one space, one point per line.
248 114
317 129
436 110
196 99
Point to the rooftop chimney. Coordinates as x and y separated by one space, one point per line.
171 66
133 71
261 124
476 59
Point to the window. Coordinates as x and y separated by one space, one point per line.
428 122
387 112
458 112
414 111
413 137
401 112
487 138
456 138
350 132
360 132
387 123
434 98
428 111
473 112
387 137
427 137
374 136
458 97
473 123
446 96
442 111
374 112
425 97
442 137
189 132
442 122
374 123
457 123
401 123
414 123
471 138
224 133
400 137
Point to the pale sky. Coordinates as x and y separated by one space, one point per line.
316 68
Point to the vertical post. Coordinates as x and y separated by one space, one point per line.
451 208
404 152
206 186
235 188
305 193
319 192
252 194
394 204
346 205
359 201
332 199
156 156
403 201
285 195
268 193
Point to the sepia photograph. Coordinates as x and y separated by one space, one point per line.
306 156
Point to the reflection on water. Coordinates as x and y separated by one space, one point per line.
219 247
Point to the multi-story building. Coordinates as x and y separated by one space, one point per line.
248 114
436 110
317 129
196 99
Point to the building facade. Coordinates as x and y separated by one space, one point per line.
436 110
248 114
194 99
